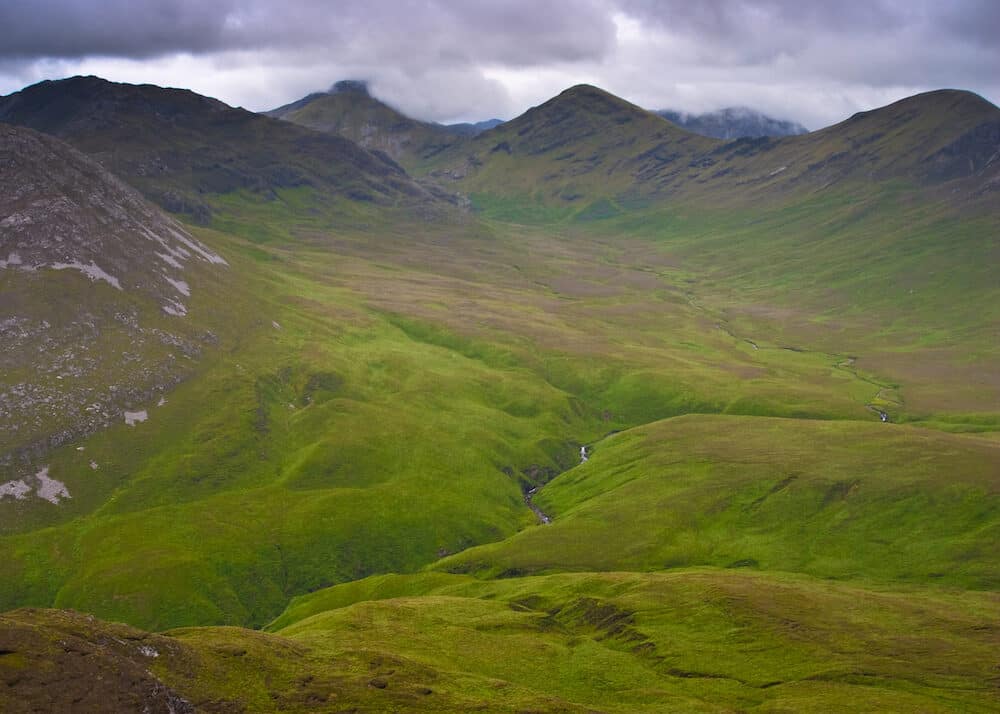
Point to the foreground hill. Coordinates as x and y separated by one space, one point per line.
181 149
687 640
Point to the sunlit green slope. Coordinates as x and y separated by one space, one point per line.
832 499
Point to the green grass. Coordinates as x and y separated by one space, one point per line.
418 378
846 500
745 536
691 640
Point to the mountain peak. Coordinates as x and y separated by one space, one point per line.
587 100
588 93
583 90
353 86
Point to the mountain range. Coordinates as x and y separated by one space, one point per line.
348 109
178 147
331 409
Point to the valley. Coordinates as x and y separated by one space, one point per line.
357 483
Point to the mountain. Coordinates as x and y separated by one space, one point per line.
733 123
585 147
559 149
182 149
350 111
662 423
935 137
102 298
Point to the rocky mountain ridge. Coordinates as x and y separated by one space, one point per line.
97 286
586 146
181 149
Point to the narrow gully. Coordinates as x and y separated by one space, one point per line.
543 518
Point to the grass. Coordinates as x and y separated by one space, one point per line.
690 640
415 382
846 500
348 463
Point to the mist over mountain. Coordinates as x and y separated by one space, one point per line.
474 128
733 123
349 110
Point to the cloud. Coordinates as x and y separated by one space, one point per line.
403 33
74 29
814 62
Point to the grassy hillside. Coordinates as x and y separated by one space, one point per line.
295 457
586 154
690 640
841 500
349 461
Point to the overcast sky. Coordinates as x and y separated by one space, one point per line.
815 62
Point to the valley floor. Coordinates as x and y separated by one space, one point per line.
330 514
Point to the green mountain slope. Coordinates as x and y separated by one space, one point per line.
691 641
830 499
589 154
579 147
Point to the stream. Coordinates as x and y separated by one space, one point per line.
543 518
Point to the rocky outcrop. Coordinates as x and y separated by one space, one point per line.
97 285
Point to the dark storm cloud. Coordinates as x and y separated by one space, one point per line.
34 29
881 42
515 33
726 19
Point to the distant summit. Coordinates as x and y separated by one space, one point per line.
733 123
357 86
350 111
473 128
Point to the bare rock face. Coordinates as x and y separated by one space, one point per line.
96 285
60 210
